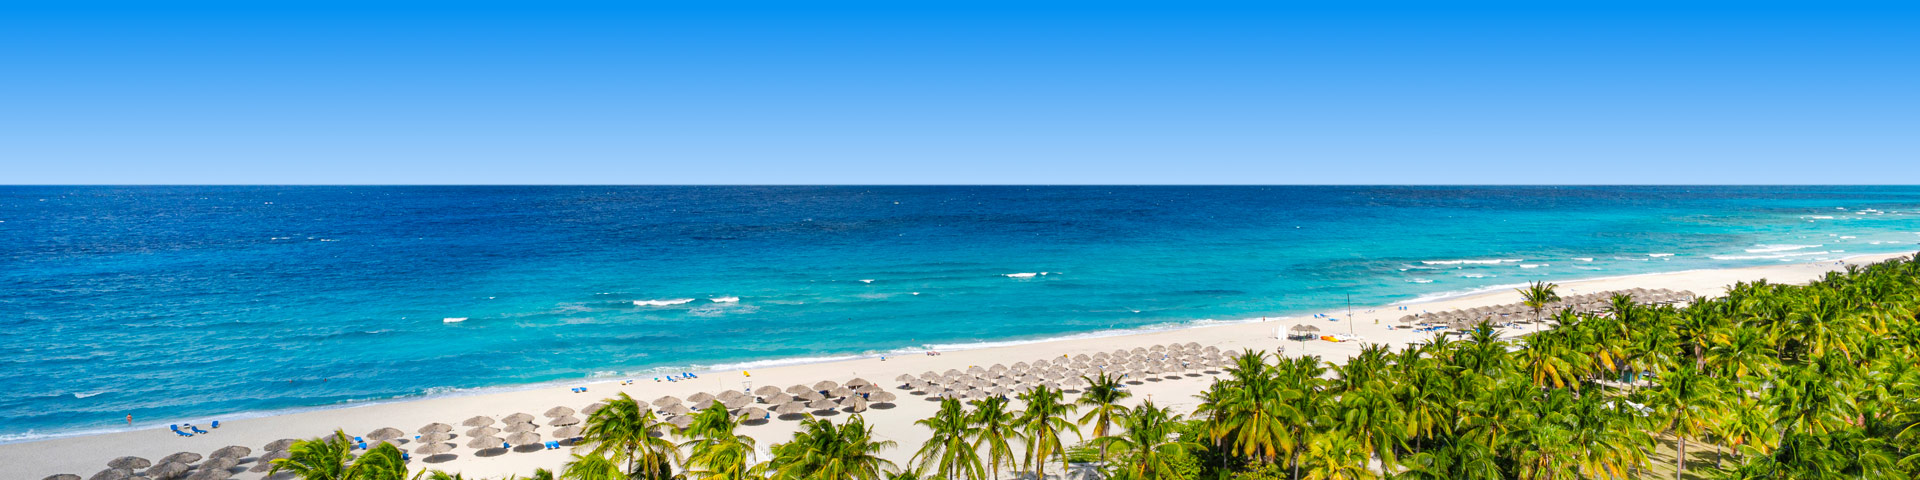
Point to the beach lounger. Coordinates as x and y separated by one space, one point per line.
183 434
196 429
216 424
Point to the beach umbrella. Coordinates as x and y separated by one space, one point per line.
520 428
517 418
779 398
566 432
210 475
558 412
729 395
232 451
435 437
564 421
881 397
770 390
825 385
128 463
676 409
752 413
482 431
436 427
167 471
434 448
869 388
856 404
822 404
523 438
904 377
484 442
63 476
388 433
112 474
810 396
791 408
711 403
182 457
478 421
593 408
737 402
219 463
280 445
857 382
798 389
666 400
680 422
840 392
265 462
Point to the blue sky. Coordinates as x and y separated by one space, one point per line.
638 92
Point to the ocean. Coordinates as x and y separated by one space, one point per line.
182 303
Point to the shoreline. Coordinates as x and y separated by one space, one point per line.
54 453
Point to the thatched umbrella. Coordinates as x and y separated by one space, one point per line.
168 471
791 408
857 382
810 396
737 402
666 400
523 438
559 412
484 442
436 427
232 451
869 388
592 408
482 431
779 398
856 404
113 474
676 409
265 461
753 413
825 385
822 404
384 434
128 463
517 418
434 448
63 476
182 457
564 421
210 475
904 377
798 389
701 398
520 428
729 395
839 392
680 421
769 390
478 421
566 432
219 463
280 445
882 397
435 437
713 403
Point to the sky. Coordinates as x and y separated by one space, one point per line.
972 92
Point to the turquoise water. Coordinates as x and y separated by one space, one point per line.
172 303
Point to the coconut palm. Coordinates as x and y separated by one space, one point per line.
948 453
1041 426
1685 400
1337 456
627 433
1149 443
715 451
1537 296
1102 399
994 429
383 462
822 450
322 458
592 466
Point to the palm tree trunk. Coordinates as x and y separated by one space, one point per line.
1680 458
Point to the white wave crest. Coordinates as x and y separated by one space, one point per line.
87 394
724 300
1584 259
1473 262
1535 265
661 303
1659 255
1021 275
1765 257
1779 248
1419 280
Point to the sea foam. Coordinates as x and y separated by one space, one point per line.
661 303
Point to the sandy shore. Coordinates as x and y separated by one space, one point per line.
86 455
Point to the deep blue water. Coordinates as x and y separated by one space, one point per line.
176 302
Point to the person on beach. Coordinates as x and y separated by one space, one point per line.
129 419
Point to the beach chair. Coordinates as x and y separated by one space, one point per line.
180 433
362 445
358 440
404 457
216 424
196 429
505 446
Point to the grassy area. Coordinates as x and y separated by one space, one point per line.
1700 460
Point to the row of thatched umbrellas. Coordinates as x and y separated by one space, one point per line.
1586 303
856 395
1062 372
181 466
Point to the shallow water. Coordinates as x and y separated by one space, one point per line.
178 302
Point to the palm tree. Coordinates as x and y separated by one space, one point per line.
824 451
1149 444
1685 400
1537 296
948 451
1041 425
628 433
1102 399
317 459
717 453
994 429
383 462
1337 456
591 466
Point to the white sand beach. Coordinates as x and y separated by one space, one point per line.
85 455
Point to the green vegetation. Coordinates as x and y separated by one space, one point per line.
1768 382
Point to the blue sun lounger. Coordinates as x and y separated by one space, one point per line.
196 429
